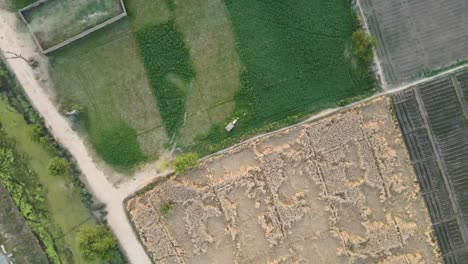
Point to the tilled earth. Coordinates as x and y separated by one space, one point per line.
339 190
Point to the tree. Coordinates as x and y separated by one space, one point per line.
185 162
97 244
37 133
58 166
363 45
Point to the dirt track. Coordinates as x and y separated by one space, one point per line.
20 43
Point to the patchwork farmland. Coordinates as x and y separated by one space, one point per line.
233 63
417 37
339 190
434 122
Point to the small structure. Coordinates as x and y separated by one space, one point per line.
231 125
44 19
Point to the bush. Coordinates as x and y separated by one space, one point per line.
363 45
185 162
165 208
97 244
119 147
58 167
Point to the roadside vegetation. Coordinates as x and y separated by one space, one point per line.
184 162
363 46
41 177
97 244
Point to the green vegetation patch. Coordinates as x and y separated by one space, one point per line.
185 162
118 146
298 60
18 4
168 67
27 194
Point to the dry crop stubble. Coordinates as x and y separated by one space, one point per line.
339 190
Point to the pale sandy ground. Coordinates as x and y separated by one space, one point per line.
15 39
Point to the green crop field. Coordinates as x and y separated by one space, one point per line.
110 74
297 60
177 71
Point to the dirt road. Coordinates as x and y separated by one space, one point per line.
14 43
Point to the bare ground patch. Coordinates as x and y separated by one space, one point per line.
339 190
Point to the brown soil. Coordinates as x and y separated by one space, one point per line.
339 190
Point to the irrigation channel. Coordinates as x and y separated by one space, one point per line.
14 41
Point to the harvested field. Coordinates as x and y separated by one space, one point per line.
54 21
434 121
339 190
419 36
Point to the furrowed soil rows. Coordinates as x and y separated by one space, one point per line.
417 37
434 121
339 190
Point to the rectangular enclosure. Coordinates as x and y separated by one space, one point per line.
56 23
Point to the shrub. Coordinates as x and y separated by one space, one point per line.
97 244
363 45
119 147
165 208
185 162
37 133
58 166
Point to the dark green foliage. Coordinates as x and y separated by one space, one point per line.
185 162
18 4
119 147
363 45
58 167
165 208
27 194
166 58
298 60
97 244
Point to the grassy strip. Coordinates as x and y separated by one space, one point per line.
168 67
27 194
119 147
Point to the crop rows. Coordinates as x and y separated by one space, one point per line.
434 124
